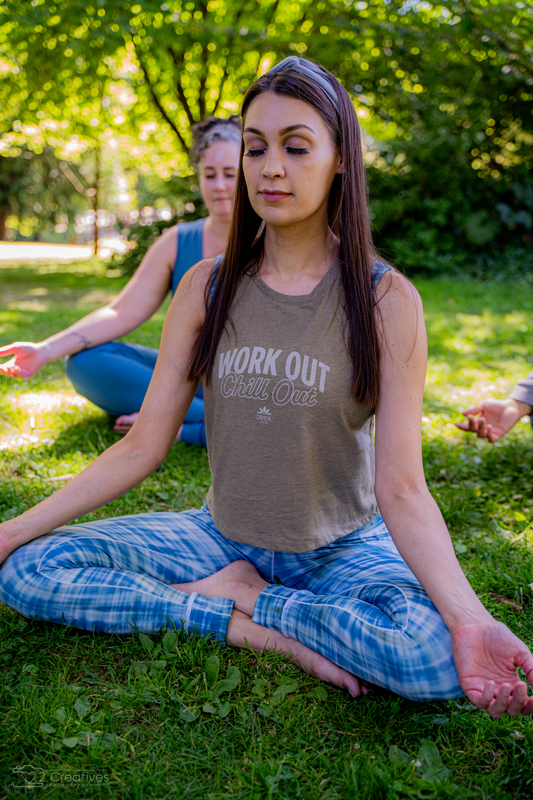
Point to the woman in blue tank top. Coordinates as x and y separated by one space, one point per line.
115 375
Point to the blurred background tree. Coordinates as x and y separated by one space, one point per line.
36 198
443 91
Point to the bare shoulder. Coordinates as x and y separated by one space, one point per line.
395 291
199 275
400 320
172 230
192 287
165 246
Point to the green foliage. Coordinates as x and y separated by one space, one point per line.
143 237
443 90
35 190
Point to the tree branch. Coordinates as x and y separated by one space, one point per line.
67 172
179 87
230 47
157 102
201 94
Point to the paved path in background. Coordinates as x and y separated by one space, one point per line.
32 251
40 251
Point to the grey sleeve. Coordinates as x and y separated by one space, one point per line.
523 390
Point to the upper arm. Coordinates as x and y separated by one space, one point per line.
144 293
170 393
403 360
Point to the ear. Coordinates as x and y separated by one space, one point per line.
340 168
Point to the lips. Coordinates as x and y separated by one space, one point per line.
272 195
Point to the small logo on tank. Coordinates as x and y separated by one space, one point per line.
264 416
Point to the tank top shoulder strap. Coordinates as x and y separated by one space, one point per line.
189 250
378 271
216 266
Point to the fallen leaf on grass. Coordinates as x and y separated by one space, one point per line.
511 603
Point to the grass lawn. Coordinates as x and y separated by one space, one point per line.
173 717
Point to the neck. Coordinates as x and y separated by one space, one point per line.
298 252
217 228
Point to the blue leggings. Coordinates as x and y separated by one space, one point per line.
115 377
355 601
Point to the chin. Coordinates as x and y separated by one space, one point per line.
278 216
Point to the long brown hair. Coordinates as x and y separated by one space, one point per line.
347 217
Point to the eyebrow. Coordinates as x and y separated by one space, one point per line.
282 132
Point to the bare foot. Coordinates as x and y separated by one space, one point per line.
244 633
124 423
239 581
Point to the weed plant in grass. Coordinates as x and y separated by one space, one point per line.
170 716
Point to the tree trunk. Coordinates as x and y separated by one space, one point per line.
95 197
3 219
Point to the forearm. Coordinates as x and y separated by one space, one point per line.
523 407
98 327
114 472
420 534
522 391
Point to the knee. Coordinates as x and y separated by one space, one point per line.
79 364
429 671
16 574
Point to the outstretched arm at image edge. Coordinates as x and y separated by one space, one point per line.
130 461
492 419
486 652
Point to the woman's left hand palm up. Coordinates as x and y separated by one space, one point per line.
487 656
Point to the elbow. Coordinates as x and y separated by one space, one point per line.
404 493
147 458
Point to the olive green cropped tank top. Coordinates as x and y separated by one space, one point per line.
291 453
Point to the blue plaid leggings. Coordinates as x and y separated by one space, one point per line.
355 601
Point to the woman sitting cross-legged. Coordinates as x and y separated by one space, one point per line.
309 542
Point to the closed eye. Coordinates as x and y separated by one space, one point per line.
254 153
297 151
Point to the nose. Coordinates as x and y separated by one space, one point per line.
220 183
273 164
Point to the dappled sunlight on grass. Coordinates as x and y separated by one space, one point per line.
479 340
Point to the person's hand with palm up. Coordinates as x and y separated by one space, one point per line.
492 419
487 656
28 359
